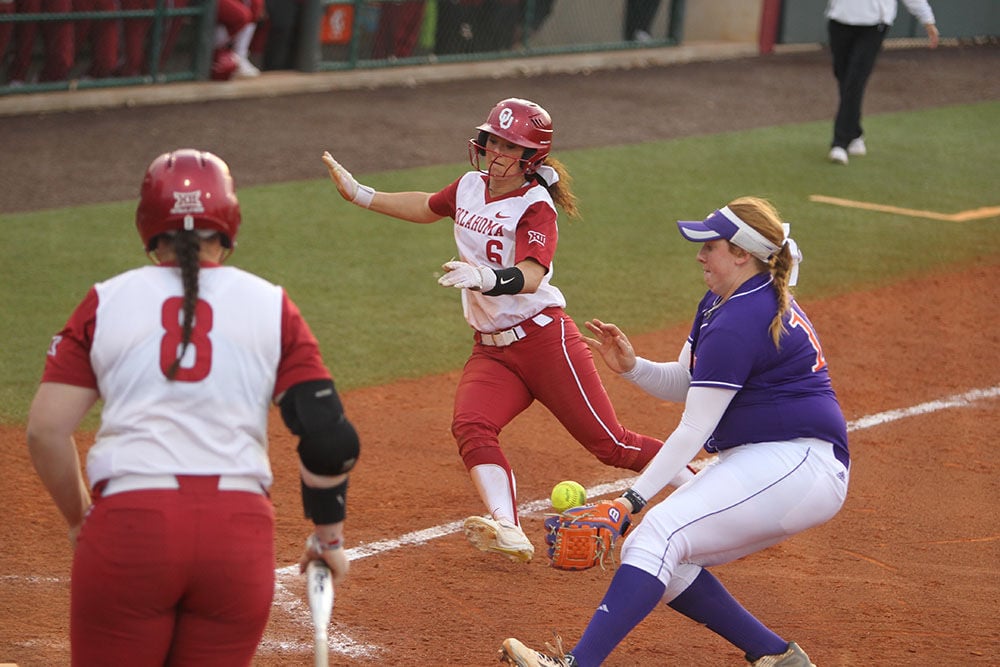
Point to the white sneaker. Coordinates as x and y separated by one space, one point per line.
499 536
245 69
838 155
857 147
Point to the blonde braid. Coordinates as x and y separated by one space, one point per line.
763 216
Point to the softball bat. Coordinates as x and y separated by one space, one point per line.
319 587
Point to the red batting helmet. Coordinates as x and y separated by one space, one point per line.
520 122
224 64
187 189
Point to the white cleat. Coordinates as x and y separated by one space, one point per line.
499 536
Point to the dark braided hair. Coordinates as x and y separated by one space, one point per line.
187 245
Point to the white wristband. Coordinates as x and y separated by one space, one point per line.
364 196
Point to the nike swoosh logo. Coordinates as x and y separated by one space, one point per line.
501 216
506 282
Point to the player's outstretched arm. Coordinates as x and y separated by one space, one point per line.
409 206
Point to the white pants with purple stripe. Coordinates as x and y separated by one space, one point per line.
753 496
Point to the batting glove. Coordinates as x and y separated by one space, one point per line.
347 185
462 275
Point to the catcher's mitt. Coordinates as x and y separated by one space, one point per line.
585 536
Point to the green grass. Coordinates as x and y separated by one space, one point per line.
366 283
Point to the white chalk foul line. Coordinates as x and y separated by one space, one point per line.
956 401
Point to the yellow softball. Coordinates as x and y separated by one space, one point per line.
568 494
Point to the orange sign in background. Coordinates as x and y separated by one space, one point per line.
337 23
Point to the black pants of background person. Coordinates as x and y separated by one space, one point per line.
281 47
474 26
854 49
639 16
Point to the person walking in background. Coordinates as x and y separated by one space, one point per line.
174 537
856 30
526 347
756 389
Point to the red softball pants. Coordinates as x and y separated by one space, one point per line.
173 577
553 365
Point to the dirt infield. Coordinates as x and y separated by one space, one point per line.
906 574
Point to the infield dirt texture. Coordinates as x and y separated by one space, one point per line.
907 574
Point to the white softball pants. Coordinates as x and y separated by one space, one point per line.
754 496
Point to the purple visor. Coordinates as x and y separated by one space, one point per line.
724 224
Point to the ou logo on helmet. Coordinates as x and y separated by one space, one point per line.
506 118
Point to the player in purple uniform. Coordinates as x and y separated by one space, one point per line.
756 389
526 347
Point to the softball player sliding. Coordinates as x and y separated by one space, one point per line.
174 560
756 390
526 347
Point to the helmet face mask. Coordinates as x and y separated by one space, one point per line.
187 190
520 122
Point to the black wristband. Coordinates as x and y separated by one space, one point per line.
324 506
509 281
634 499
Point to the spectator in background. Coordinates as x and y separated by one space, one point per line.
532 24
398 29
857 29
477 26
6 29
639 16
236 23
455 29
101 35
57 37
284 26
136 37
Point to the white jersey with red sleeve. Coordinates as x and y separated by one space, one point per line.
249 343
498 233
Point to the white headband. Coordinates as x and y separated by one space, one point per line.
548 174
724 224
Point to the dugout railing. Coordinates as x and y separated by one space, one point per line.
336 35
330 35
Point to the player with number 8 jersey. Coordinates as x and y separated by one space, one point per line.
174 558
526 348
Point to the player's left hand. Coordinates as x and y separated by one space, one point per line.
585 536
463 275
612 344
